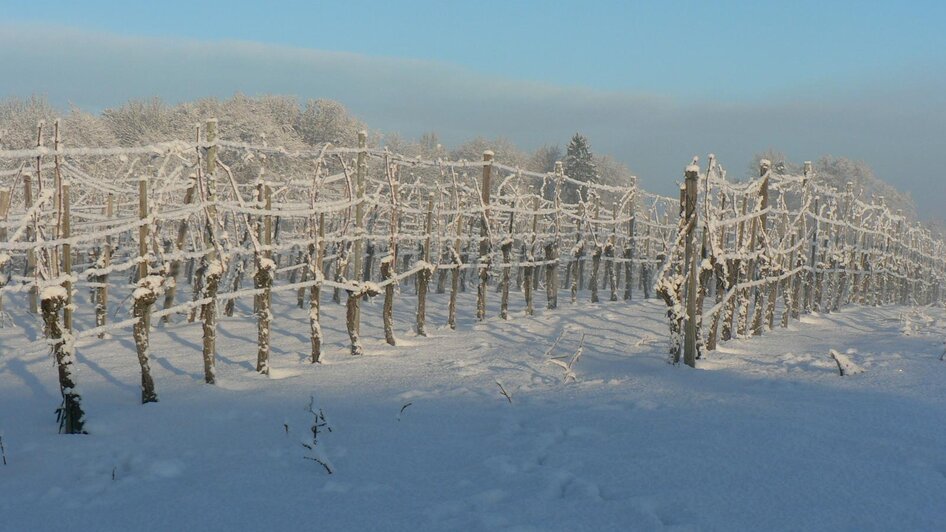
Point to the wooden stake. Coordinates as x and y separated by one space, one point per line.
105 260
66 232
175 268
485 247
265 271
689 342
424 275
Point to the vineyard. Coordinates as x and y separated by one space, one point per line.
103 241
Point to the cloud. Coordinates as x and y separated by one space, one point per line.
894 124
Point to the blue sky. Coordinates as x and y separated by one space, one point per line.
649 82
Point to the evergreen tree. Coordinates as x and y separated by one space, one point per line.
579 165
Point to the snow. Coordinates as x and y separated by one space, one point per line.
846 366
764 434
53 292
267 263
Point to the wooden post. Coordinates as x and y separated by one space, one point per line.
424 275
211 172
577 253
457 261
143 228
611 271
66 232
105 260
485 247
213 265
737 274
813 257
389 263
689 342
31 254
629 249
552 249
265 271
361 175
596 251
531 257
758 307
70 414
144 296
817 265
506 249
791 286
315 327
175 268
5 198
704 280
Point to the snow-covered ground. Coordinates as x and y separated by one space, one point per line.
764 434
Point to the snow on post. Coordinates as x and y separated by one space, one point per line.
426 271
263 279
485 247
70 414
690 341
149 289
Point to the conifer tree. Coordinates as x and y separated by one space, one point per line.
579 165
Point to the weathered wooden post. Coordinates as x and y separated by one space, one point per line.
143 228
31 254
531 257
596 251
175 268
5 198
65 233
610 269
791 286
689 341
812 261
361 175
736 269
577 253
104 261
425 274
629 248
485 247
457 263
816 261
757 320
506 249
316 254
70 414
147 292
265 272
389 263
552 248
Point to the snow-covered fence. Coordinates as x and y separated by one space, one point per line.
192 216
791 243
364 221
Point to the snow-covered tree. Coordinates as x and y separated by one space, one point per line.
329 121
579 165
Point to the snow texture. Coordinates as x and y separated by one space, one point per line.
762 435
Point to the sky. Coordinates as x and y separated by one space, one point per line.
650 83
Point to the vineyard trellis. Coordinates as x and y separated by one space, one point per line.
187 221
